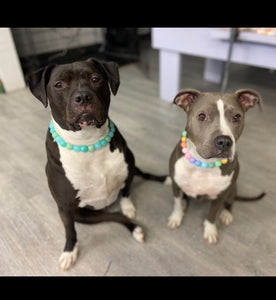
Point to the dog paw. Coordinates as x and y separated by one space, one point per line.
175 219
128 208
210 232
226 217
138 234
68 259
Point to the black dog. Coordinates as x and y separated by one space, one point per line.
89 164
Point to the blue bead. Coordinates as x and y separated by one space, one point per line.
111 134
198 163
98 145
103 143
62 143
76 148
84 148
204 165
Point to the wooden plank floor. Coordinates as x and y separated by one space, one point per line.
32 236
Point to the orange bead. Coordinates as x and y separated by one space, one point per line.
183 145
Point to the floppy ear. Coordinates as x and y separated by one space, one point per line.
185 98
111 70
37 82
248 98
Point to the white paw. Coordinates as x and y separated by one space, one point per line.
128 208
175 219
210 232
226 217
68 259
138 234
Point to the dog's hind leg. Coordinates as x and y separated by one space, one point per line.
84 215
177 214
70 252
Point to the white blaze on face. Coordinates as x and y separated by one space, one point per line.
224 127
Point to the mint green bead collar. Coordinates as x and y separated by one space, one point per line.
83 148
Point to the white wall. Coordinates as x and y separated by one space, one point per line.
11 73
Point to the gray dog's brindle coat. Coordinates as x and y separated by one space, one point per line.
214 123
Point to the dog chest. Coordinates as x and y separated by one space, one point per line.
196 181
98 176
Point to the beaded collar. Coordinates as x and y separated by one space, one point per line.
199 163
83 148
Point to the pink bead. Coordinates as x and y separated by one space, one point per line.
188 155
184 150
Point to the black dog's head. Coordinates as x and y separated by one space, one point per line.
78 93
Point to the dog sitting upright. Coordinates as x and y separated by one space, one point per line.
204 164
88 162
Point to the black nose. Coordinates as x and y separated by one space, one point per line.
223 142
82 98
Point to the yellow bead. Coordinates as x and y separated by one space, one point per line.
183 139
224 161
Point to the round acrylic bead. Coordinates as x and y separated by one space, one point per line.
224 161
103 142
204 165
91 148
54 135
69 146
76 148
97 145
188 155
62 143
218 163
198 163
211 165
184 133
192 160
84 148
108 138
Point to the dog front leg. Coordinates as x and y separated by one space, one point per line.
127 207
210 229
177 214
70 252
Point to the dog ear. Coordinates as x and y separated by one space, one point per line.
248 98
185 97
37 82
111 70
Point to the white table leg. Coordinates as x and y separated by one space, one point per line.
169 74
213 70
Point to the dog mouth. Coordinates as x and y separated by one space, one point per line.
86 120
222 154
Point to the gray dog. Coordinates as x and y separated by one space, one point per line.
204 163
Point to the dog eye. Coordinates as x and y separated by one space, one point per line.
236 118
202 117
95 79
60 85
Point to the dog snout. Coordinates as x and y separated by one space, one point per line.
223 143
82 98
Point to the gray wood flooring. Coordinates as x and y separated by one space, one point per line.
32 235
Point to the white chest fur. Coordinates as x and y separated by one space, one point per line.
99 175
196 181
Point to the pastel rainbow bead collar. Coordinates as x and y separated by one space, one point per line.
83 148
199 163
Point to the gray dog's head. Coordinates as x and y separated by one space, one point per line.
215 120
78 93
